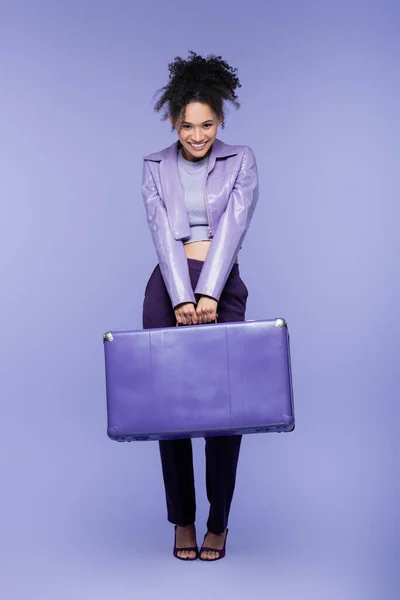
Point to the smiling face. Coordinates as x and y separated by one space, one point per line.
197 131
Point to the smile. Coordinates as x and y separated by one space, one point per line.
198 146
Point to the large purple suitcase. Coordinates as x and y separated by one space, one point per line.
198 380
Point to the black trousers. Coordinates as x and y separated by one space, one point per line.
222 452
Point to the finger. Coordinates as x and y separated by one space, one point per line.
209 316
190 316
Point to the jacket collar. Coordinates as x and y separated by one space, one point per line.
218 150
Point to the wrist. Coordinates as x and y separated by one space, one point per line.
183 303
198 296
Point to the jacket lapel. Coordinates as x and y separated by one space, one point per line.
174 193
220 150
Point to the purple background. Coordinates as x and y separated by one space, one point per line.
315 514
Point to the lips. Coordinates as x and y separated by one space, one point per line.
198 146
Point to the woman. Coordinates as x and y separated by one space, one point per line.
199 195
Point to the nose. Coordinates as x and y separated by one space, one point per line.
197 136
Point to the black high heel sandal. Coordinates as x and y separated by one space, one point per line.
192 549
206 549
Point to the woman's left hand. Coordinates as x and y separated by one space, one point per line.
206 309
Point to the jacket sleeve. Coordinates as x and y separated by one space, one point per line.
170 252
231 230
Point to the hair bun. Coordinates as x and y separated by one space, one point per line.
211 80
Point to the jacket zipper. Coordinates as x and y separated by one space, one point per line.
206 201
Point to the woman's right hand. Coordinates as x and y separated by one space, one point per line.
186 314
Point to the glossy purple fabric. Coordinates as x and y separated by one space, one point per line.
199 380
231 195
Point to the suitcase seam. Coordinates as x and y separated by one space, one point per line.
229 375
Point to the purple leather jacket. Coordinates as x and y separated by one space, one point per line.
231 193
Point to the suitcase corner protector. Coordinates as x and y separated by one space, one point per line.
108 337
288 420
279 323
112 433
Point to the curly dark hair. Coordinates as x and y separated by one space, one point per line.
210 80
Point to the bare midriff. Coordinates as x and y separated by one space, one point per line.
198 250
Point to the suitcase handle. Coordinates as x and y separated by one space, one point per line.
216 321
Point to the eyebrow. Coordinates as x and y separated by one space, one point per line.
204 122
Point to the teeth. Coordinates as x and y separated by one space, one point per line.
198 145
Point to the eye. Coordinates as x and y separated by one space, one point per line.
186 126
208 125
